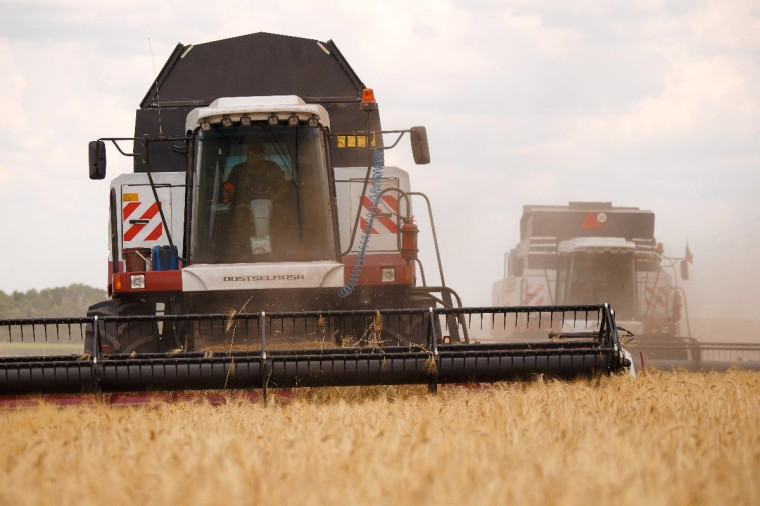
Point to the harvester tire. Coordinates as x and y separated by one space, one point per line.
124 337
413 330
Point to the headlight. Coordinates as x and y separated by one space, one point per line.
137 281
388 274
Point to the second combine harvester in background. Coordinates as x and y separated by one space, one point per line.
261 241
592 252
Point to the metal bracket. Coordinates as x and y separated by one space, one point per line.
433 384
264 366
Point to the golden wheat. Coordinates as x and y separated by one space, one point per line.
660 438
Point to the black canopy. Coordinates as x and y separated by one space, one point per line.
250 65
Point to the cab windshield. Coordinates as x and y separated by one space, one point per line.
596 278
261 194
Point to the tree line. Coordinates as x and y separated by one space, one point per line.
72 300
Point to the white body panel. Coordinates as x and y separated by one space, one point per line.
138 221
224 277
349 182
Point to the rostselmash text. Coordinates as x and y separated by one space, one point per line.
275 277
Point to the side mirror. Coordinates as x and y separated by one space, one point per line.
420 149
684 270
97 160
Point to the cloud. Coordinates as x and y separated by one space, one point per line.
15 121
11 86
695 93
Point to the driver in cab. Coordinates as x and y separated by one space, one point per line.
256 178
253 189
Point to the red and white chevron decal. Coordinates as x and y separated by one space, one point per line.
536 296
145 222
657 296
382 224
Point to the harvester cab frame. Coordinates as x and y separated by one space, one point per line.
201 124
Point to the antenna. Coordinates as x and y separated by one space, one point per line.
158 98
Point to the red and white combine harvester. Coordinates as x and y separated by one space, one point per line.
593 252
261 241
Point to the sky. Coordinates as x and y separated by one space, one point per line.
653 104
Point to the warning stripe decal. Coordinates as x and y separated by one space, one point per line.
363 225
129 209
659 296
530 296
135 229
388 223
151 212
391 202
156 234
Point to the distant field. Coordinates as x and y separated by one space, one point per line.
660 438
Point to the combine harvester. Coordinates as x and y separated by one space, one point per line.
588 252
261 242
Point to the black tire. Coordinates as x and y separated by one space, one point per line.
177 335
410 330
123 337
420 324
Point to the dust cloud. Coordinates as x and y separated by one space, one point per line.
723 292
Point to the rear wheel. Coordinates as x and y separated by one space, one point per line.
122 337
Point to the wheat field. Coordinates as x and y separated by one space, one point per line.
659 438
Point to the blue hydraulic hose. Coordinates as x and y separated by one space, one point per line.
374 196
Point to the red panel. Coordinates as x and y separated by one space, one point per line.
373 263
155 281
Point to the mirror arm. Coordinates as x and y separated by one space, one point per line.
115 141
400 135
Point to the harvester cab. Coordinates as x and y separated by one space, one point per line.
262 241
248 201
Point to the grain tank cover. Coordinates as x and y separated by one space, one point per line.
586 219
257 64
